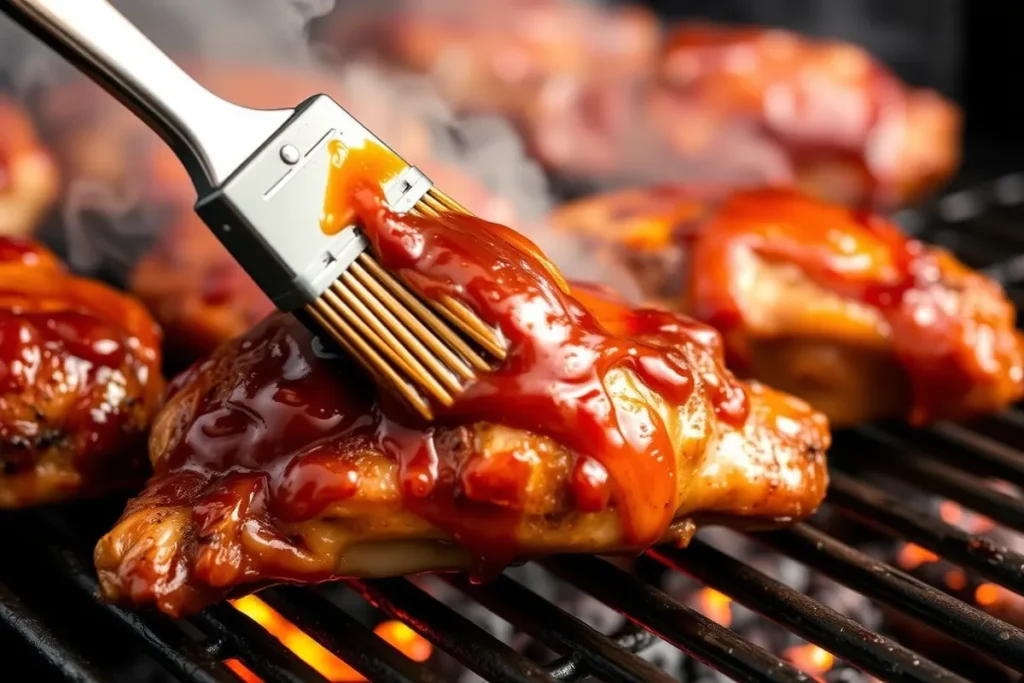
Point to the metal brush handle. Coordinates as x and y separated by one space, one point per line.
211 137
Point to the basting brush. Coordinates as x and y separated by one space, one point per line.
261 178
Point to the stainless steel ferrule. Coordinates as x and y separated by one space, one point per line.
268 213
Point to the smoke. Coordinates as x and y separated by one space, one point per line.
122 184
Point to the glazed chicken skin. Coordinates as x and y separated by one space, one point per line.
607 429
834 305
848 129
29 179
79 381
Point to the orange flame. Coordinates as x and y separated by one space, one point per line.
325 663
716 606
810 659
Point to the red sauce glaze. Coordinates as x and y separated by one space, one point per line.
273 430
859 256
282 444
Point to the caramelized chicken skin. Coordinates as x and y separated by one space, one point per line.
79 381
831 304
606 429
29 179
851 130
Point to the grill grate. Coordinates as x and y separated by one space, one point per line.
984 224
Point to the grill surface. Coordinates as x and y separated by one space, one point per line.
49 610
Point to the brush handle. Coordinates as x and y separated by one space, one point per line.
211 137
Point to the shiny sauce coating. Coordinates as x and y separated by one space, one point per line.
553 383
863 257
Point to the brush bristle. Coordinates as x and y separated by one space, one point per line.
398 337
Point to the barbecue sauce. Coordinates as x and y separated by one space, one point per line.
349 168
288 417
946 348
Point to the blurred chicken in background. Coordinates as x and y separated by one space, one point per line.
606 95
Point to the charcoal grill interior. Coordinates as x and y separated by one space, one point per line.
51 616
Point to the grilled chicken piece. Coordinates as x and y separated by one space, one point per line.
79 381
29 180
833 305
851 131
606 429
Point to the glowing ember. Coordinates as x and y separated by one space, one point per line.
971 522
397 634
913 556
950 512
716 606
810 659
242 671
405 640
956 579
987 594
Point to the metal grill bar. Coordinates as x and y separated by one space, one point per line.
164 641
879 581
61 656
804 616
236 635
630 638
939 478
885 512
1008 427
646 606
478 650
352 642
956 444
560 631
